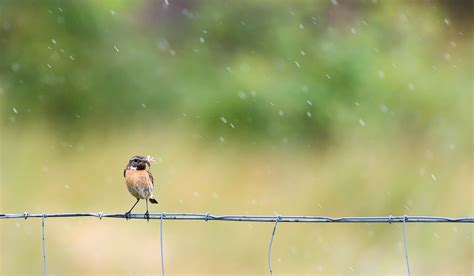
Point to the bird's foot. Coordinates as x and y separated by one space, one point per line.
147 216
127 215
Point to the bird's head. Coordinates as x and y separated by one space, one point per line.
138 162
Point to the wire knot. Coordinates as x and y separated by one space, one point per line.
162 216
278 218
405 218
25 215
390 219
101 215
207 216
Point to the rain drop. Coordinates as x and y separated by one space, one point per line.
15 67
381 74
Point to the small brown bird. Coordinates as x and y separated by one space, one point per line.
140 181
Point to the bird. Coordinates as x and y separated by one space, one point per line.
139 181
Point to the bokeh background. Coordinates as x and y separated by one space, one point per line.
334 108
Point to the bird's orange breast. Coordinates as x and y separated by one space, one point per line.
137 178
139 183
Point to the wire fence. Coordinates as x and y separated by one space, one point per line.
248 218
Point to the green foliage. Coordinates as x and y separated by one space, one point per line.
271 69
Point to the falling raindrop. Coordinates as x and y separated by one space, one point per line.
381 74
242 95
15 67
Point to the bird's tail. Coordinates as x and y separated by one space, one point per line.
152 200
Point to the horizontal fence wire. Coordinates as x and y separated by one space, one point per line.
252 218
248 218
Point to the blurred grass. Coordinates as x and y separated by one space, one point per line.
357 178
303 107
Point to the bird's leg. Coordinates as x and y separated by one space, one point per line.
127 214
147 215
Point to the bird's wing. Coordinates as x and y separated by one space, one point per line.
151 178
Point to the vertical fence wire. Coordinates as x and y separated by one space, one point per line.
161 245
405 243
271 243
45 271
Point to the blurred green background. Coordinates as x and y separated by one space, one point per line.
334 108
